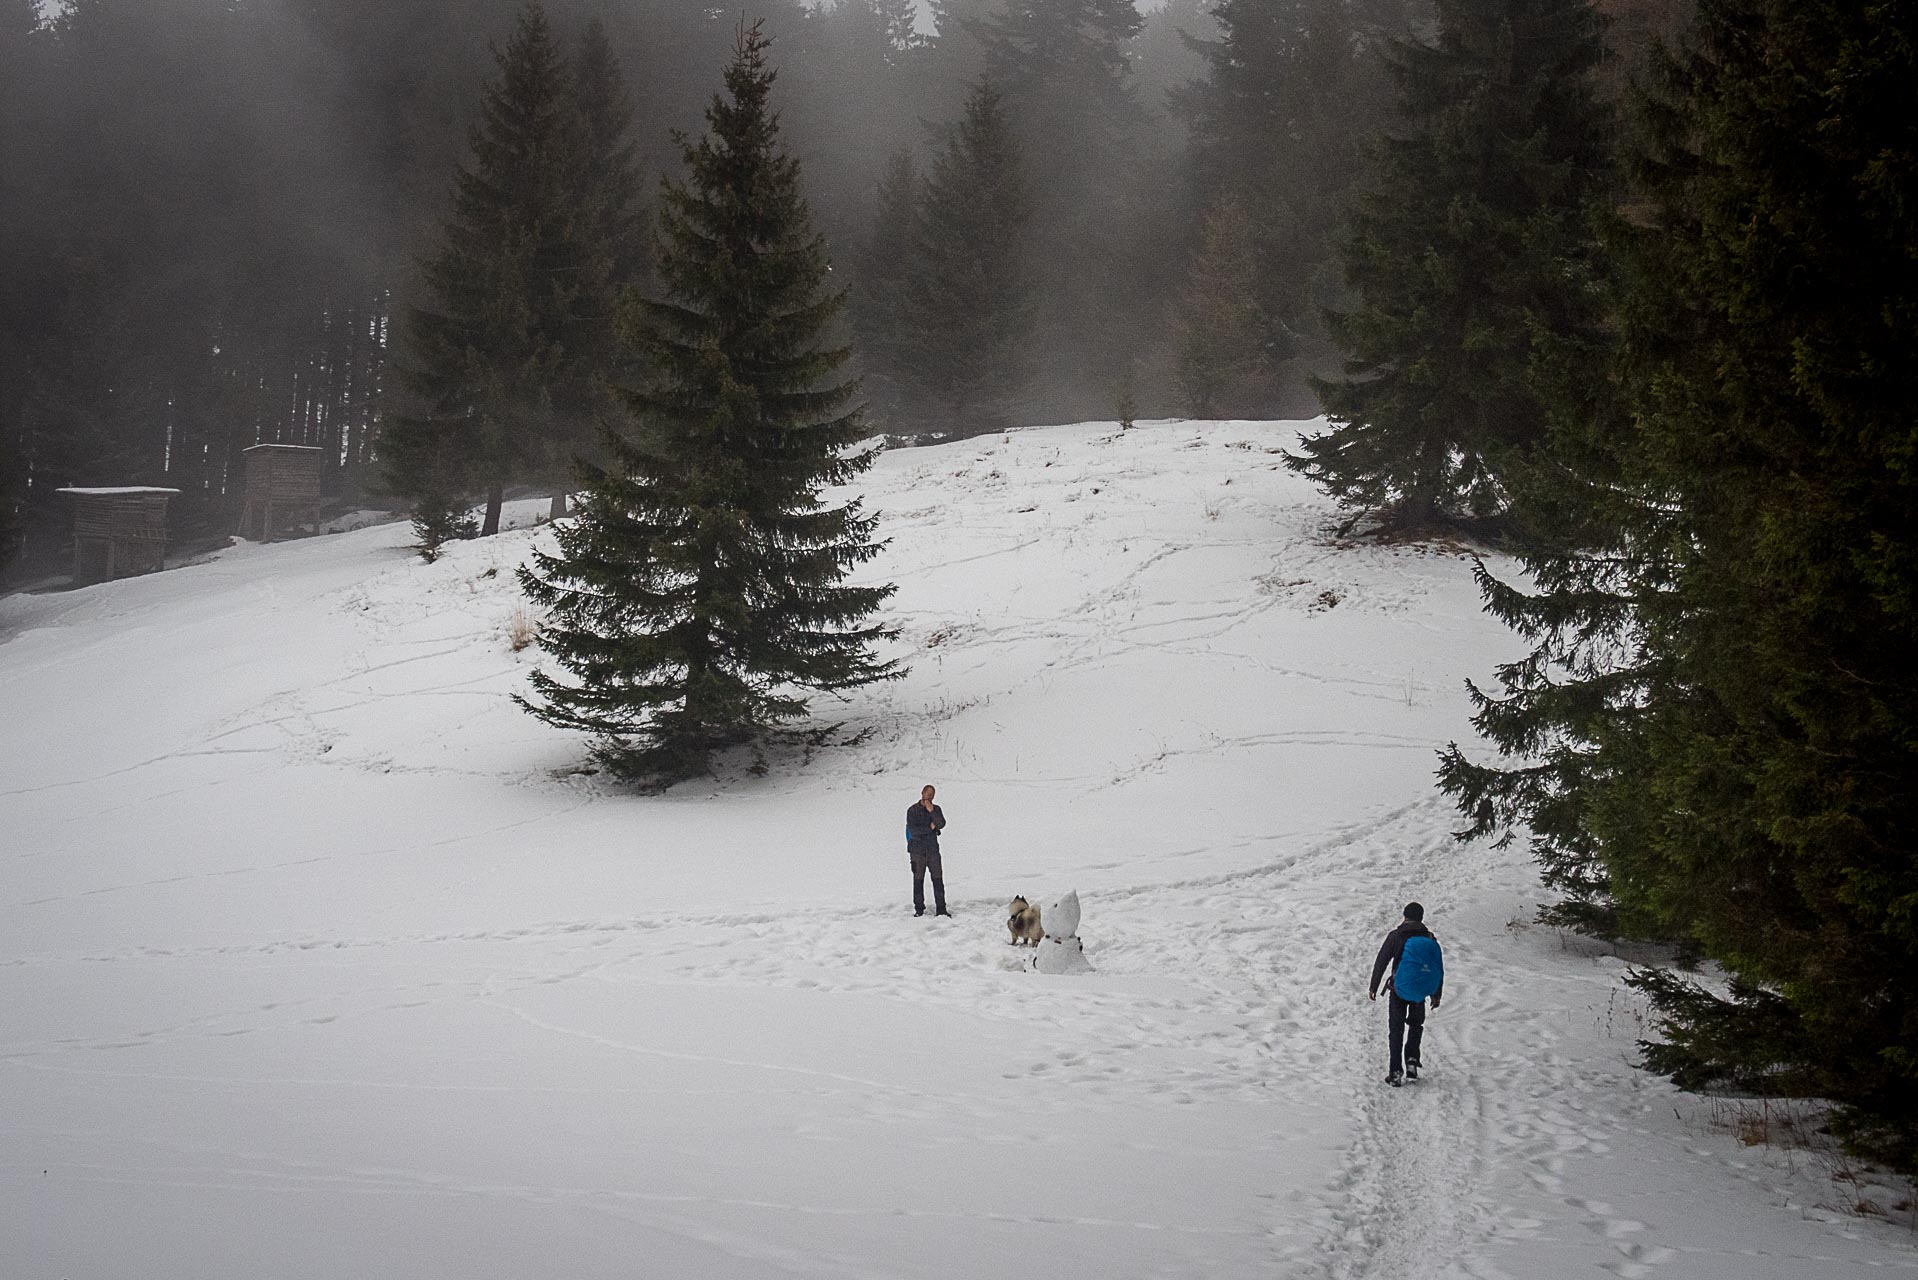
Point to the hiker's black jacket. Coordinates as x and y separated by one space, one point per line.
922 829
1394 948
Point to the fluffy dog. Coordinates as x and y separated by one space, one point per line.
1024 923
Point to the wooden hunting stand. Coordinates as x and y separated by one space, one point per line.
118 532
282 491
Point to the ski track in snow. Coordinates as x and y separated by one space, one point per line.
1230 960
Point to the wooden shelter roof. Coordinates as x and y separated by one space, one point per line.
119 491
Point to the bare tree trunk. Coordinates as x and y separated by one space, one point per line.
495 498
557 511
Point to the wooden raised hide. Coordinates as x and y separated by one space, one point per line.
282 491
118 532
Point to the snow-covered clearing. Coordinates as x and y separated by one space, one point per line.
319 958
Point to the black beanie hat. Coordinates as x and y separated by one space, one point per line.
1413 911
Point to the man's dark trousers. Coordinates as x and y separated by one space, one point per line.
927 860
1407 1031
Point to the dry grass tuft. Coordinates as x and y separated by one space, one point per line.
522 629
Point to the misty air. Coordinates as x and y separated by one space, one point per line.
925 639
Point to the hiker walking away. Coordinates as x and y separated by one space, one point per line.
924 822
1418 973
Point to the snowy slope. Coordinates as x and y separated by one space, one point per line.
318 958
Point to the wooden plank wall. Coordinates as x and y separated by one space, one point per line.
123 517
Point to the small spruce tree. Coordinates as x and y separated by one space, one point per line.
434 459
440 517
700 592
1226 354
1125 399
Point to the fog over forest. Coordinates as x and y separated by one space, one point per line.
1616 298
214 214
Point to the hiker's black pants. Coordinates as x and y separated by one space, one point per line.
923 861
1407 1030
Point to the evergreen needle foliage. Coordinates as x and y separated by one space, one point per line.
1715 732
700 590
1065 70
610 209
1292 91
969 319
507 351
945 318
1474 256
440 517
883 310
1225 353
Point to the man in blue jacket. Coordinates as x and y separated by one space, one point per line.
924 822
1406 1025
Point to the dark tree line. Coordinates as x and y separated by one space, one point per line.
174 291
215 216
220 217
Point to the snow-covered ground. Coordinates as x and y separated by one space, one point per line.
319 958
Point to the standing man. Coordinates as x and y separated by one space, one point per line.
924 822
1417 972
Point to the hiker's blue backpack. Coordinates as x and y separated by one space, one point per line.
1420 969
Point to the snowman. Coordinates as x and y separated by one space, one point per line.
1060 951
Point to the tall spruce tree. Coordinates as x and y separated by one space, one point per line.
1293 91
862 96
1065 63
1064 70
493 352
611 208
485 350
899 19
22 61
1727 757
882 306
700 591
611 182
970 305
956 54
1475 260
